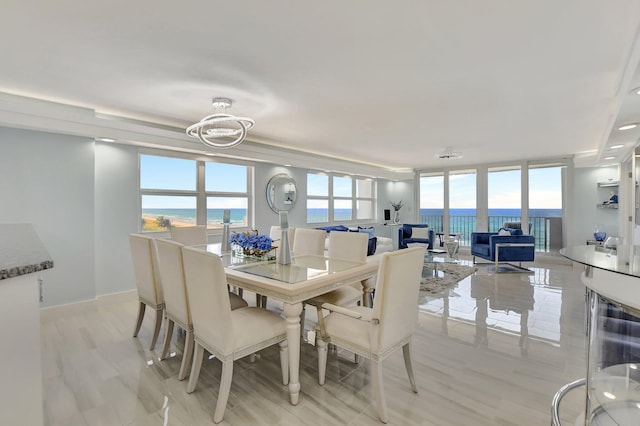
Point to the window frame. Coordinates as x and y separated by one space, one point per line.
331 199
199 193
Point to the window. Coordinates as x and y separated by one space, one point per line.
504 189
176 191
432 200
339 198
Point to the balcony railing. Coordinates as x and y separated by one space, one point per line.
546 230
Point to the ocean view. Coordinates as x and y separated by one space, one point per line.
431 216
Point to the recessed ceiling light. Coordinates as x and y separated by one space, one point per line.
616 146
210 154
609 158
105 139
287 165
628 126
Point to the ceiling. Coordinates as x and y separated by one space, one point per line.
390 84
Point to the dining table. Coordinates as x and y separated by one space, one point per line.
307 276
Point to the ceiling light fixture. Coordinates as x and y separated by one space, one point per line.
221 125
628 126
616 146
609 158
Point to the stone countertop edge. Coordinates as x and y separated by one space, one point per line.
21 251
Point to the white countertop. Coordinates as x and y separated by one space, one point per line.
21 251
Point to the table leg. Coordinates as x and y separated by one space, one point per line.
368 286
292 311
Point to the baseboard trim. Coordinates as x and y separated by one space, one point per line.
55 312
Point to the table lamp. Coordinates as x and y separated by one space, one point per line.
284 254
226 219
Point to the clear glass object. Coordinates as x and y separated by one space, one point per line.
613 377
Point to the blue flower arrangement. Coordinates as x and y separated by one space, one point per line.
252 243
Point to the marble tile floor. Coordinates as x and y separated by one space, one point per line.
493 350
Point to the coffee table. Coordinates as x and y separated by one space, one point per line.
431 262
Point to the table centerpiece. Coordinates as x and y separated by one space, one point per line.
252 244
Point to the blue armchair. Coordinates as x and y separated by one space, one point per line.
515 247
405 235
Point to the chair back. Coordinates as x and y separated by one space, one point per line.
275 233
208 299
396 304
190 235
145 267
309 241
348 245
172 279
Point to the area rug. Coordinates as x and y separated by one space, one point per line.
453 273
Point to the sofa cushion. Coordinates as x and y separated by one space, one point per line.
503 231
416 240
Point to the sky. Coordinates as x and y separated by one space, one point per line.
545 190
218 177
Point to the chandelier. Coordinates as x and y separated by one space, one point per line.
219 125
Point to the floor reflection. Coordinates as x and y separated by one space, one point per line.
528 306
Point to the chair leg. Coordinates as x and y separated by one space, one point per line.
187 354
406 351
322 359
156 331
378 389
168 333
223 393
284 361
198 353
141 310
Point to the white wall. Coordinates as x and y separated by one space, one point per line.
117 215
585 199
389 191
48 180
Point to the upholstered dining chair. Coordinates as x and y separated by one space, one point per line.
145 267
176 300
190 235
227 334
309 241
375 333
349 246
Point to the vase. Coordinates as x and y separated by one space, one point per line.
396 217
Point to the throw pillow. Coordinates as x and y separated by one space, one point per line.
422 233
371 247
370 231
503 231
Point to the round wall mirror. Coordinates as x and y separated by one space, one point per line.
281 192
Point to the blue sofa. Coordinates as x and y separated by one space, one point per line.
483 245
405 235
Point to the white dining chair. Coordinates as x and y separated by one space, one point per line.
348 246
275 233
190 235
309 241
227 334
375 333
176 300
145 267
